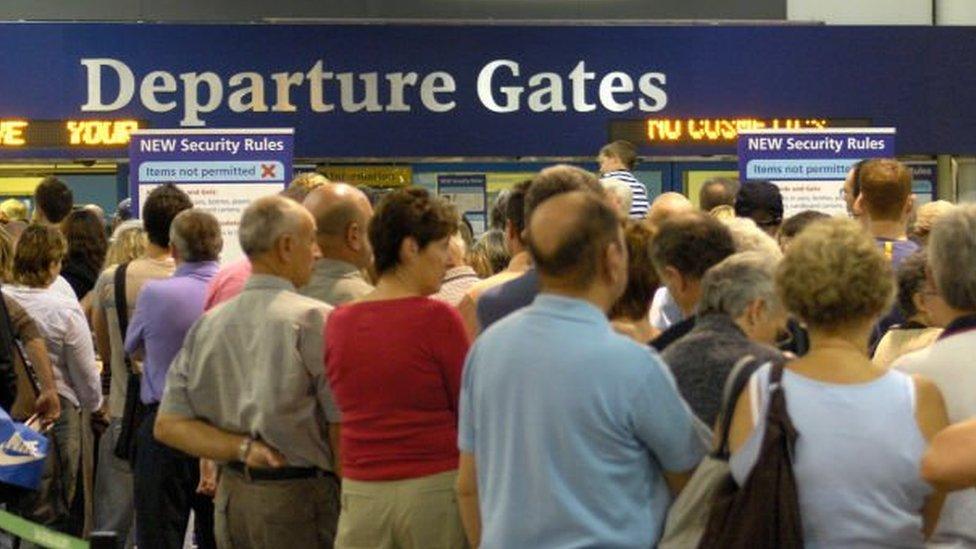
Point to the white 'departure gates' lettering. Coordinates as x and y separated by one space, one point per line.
500 88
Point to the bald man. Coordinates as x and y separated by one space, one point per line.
667 205
615 440
500 301
342 213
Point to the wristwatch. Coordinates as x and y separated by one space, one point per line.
244 449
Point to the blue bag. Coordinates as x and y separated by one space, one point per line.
22 453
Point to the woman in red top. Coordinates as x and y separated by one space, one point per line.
394 364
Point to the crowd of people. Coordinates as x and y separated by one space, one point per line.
371 376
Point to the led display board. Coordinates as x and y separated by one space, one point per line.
684 132
81 134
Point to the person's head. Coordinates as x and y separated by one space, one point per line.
835 279
410 235
514 225
742 287
642 280
762 202
556 180
278 237
718 191
952 255
161 206
499 209
13 210
195 236
577 243
686 246
666 206
489 255
38 255
925 219
795 224
886 190
748 237
914 294
342 213
852 189
619 155
123 213
6 256
457 251
308 181
52 200
619 193
85 234
128 242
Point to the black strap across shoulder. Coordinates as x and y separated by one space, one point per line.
734 385
122 307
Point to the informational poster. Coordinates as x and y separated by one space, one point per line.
221 170
385 176
809 166
925 177
468 192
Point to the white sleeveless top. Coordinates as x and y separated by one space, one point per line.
856 459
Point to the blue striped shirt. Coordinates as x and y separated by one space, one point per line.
640 204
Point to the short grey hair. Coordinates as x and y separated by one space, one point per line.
621 190
748 237
265 221
738 280
952 255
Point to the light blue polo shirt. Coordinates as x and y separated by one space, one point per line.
571 426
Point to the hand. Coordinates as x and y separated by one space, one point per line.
262 456
208 478
48 405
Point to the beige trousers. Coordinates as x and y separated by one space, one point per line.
275 514
417 513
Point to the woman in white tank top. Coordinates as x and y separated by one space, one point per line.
862 428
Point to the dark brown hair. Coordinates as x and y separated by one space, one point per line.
624 151
87 243
410 212
53 198
642 279
691 243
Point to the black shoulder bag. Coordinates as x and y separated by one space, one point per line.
764 513
135 410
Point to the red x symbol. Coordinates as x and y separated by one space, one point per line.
267 170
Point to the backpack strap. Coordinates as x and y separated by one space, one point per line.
122 308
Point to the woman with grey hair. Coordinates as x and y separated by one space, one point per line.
739 314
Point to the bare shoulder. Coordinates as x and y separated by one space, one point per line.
930 409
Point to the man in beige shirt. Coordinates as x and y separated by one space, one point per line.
113 496
248 389
342 213
520 262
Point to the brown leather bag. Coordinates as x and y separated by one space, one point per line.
764 513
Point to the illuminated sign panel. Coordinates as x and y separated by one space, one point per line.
713 131
67 134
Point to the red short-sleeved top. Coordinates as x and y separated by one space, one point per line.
394 367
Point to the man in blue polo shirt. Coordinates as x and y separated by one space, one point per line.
498 302
560 415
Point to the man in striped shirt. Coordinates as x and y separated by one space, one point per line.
617 161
